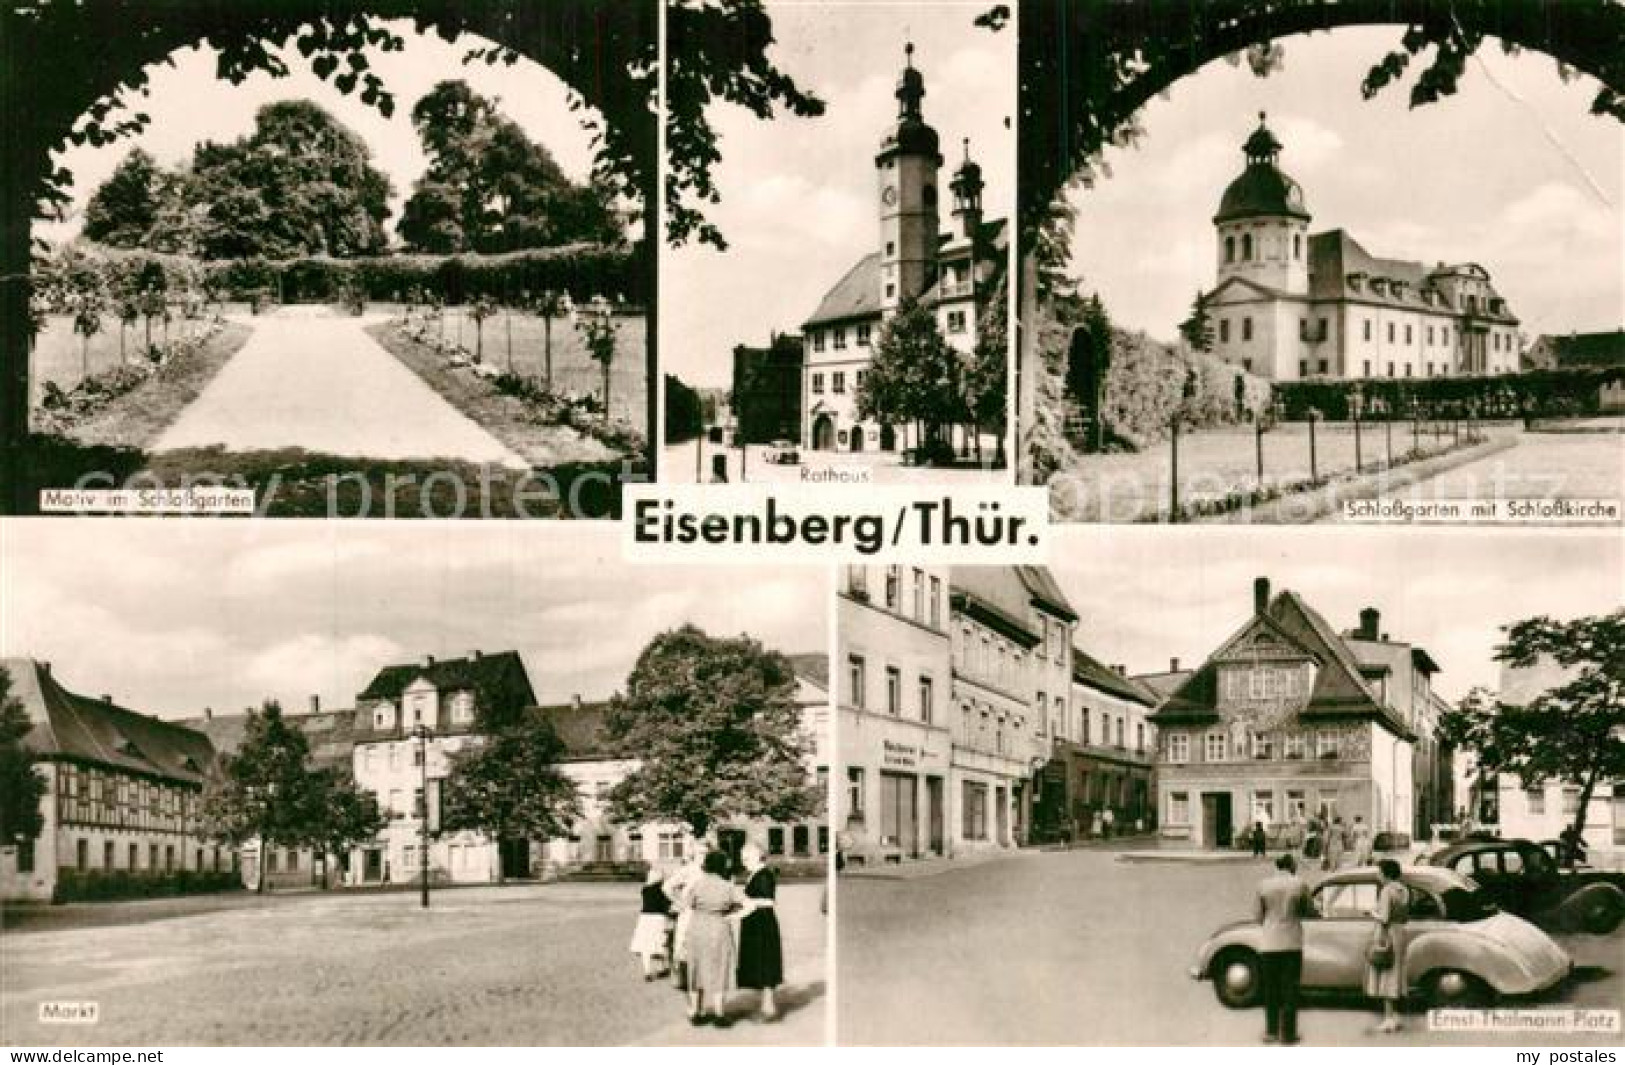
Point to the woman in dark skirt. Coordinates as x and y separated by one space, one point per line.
761 953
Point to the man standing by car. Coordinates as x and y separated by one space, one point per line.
1283 903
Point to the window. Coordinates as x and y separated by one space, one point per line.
891 245
919 595
1346 902
1292 746
107 852
1224 330
891 290
135 858
857 581
1043 712
854 792
858 382
1303 367
270 860
1303 329
975 810
894 586
1264 807
1214 747
671 845
1365 329
1179 808
1139 736
1390 368
927 699
1263 746
1297 245
25 856
1179 747
1327 746
1246 247
1295 806
1407 335
936 602
462 708
417 755
863 336
856 680
1246 329
1229 249
1571 799
956 321
1390 332
1120 736
1325 366
894 691
1430 334
840 341
1366 368
823 839
838 382
818 340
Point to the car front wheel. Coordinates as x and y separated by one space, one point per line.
1601 914
1237 979
1452 987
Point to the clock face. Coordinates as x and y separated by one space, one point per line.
889 195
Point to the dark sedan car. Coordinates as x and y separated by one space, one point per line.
1523 878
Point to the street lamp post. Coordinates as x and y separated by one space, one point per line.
422 734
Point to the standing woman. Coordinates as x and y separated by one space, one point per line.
712 955
1385 958
761 952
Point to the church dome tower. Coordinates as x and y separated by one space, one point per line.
1262 223
967 189
907 167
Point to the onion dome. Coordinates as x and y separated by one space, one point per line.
1262 189
912 136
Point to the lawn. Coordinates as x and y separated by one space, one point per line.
1126 487
60 355
573 370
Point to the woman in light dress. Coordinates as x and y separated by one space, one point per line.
1389 916
709 941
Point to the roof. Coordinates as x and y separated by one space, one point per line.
1003 595
74 727
501 674
1340 689
1095 674
580 726
855 295
1334 257
1164 684
812 667
1587 349
1261 190
1044 589
331 733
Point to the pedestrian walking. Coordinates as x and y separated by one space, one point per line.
676 888
709 941
1385 977
1336 844
651 936
1362 841
761 951
1096 825
1107 820
1283 904
1258 839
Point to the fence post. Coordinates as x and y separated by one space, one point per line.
1357 460
1314 468
1173 474
1389 428
1258 446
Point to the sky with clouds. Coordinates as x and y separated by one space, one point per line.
188 105
799 196
173 616
1148 595
1512 172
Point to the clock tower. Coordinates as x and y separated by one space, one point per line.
907 171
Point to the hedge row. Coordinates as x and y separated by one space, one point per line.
1538 393
98 886
583 270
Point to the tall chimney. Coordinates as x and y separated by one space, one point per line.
315 704
108 699
1261 594
575 700
208 713
476 654
45 667
428 660
1370 619
1173 665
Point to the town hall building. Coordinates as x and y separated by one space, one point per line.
953 271
1290 305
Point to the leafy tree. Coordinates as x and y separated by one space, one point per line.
300 184
22 788
1572 732
684 411
124 209
338 815
915 376
490 188
510 786
1197 329
263 791
988 375
481 309
550 305
714 726
596 324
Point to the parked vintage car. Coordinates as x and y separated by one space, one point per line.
1523 878
782 453
1461 950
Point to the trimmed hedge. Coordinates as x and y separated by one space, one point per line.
1535 394
100 886
583 270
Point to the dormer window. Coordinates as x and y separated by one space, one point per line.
462 708
1356 281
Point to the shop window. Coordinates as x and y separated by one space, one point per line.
1179 808
799 841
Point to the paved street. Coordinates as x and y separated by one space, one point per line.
536 964
817 467
310 379
1079 947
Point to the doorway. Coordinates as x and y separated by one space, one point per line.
823 433
731 841
1217 827
934 816
515 858
899 815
